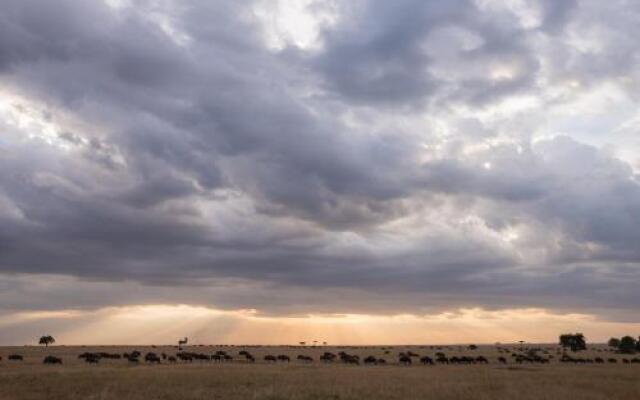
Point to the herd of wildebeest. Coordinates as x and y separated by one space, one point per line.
437 356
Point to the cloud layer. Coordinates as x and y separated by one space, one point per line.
404 157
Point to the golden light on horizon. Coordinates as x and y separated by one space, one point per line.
162 324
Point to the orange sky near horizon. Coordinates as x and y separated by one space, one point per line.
163 324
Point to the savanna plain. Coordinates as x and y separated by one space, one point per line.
485 372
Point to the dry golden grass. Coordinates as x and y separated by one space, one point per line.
116 379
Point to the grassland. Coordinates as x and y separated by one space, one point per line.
118 379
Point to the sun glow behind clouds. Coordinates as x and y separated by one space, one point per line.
298 23
164 323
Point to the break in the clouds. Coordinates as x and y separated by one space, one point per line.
310 156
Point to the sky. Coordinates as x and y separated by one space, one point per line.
349 171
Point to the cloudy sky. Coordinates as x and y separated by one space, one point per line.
356 171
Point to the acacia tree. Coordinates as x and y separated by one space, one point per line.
575 341
614 342
46 340
627 345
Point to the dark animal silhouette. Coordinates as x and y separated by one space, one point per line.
15 357
52 360
441 359
349 359
284 358
427 360
404 360
133 354
152 358
327 357
370 360
270 358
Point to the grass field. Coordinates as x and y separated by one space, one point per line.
118 379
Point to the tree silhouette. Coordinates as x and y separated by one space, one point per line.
46 340
614 342
575 342
627 345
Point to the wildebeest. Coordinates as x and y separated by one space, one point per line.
502 360
133 354
184 356
92 359
52 360
133 360
482 360
152 358
441 359
370 360
426 360
404 360
109 355
15 357
304 358
381 361
270 358
171 359
284 358
349 359
327 357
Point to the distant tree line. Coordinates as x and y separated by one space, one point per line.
625 345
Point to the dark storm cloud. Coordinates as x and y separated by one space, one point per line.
203 159
386 53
